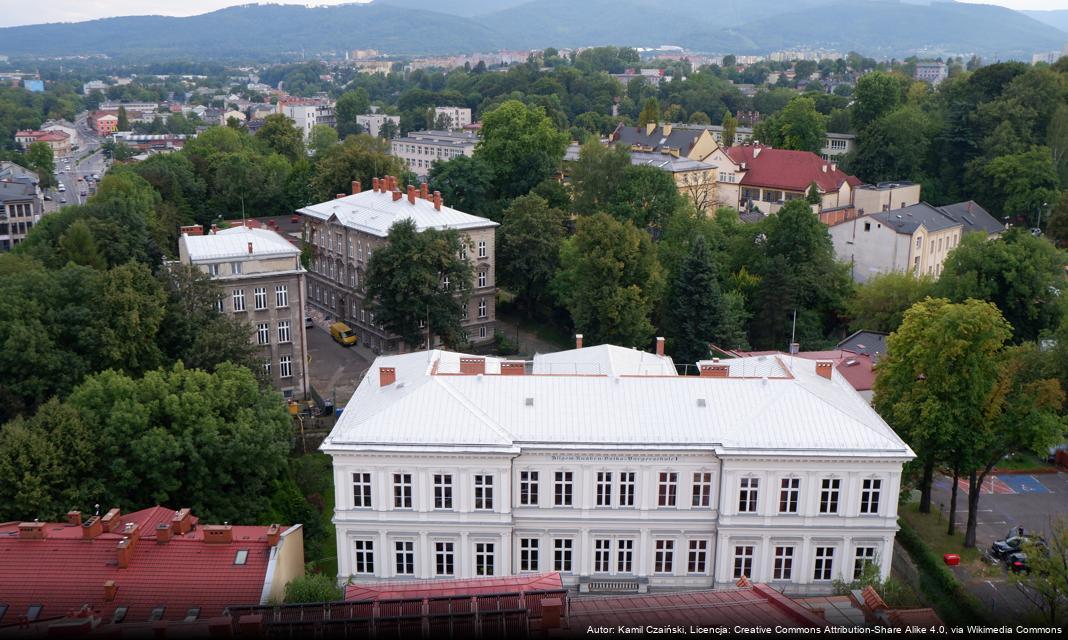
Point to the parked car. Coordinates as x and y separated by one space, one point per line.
1012 543
63 199
308 322
342 334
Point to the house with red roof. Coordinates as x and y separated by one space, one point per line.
754 175
154 565
58 141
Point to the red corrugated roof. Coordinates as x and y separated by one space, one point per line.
64 571
858 369
786 169
441 588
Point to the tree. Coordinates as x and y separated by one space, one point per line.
280 135
700 117
730 129
313 587
609 280
597 176
528 250
323 138
875 95
465 184
521 146
695 306
124 120
798 126
1021 274
359 157
650 113
348 106
646 197
880 303
1057 141
1020 184
894 147
80 246
419 276
1045 585
388 130
1057 225
39 158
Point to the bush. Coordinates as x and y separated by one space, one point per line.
313 587
953 603
504 345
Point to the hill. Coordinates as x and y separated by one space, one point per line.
1057 18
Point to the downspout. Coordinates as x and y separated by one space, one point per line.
719 503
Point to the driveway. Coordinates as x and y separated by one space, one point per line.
335 371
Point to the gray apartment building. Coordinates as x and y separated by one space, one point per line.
263 284
421 149
345 232
20 209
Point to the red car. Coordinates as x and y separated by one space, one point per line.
295 218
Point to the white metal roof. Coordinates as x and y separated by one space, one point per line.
633 404
233 244
375 212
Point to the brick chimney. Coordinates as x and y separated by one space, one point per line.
163 533
74 518
356 187
411 194
274 534
667 130
32 531
424 191
397 195
472 366
824 368
214 229
181 522
551 609
339 196
715 371
218 533
111 520
578 340
386 376
374 184
517 368
659 346
92 528
437 200
132 531
124 552
110 590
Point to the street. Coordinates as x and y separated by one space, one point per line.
335 370
75 180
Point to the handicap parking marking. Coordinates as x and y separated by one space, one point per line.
990 486
1023 484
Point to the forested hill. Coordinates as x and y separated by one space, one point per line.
873 27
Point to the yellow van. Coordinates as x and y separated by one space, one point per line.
342 334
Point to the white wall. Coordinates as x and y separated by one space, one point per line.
870 247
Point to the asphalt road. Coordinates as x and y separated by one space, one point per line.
75 179
335 370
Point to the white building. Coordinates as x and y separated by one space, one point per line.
601 463
931 72
459 117
421 149
306 113
372 123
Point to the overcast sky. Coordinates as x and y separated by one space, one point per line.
16 12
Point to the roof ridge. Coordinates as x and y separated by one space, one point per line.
470 406
841 411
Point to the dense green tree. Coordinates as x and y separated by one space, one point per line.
894 147
1020 184
350 105
359 157
1057 225
124 119
699 117
1057 141
798 126
695 306
730 129
465 184
528 250
598 176
1021 274
646 197
1045 584
609 281
419 276
650 113
323 138
880 303
79 244
521 145
39 158
875 95
313 587
279 135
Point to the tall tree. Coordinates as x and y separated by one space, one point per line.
466 184
695 306
521 145
359 157
39 158
1057 225
650 113
323 138
418 276
348 106
280 135
1020 184
880 303
597 176
730 129
798 126
875 95
894 147
646 197
528 250
124 119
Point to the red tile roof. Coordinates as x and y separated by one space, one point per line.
788 170
438 588
64 571
858 369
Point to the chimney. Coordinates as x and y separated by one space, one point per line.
411 194
356 187
794 348
250 248
756 152
214 229
339 196
132 531
551 609
834 167
181 522
424 191
374 184
163 533
111 520
274 534
715 370
437 200
218 533
124 552
824 368
650 128
32 531
92 527
578 340
386 376
110 590
74 518
513 368
397 195
667 130
472 366
659 346
824 168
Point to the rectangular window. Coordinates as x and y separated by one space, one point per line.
484 558
361 490
562 488
213 269
626 489
283 331
829 490
365 556
664 558
444 557
261 298
789 491
219 304
267 367
865 556
281 295
481 307
481 278
235 268
484 494
747 495
702 489
405 558
869 495
666 492
698 556
263 333
481 248
824 563
624 556
528 554
562 554
604 488
528 488
285 366
743 561
402 491
239 299
442 491
784 564
602 552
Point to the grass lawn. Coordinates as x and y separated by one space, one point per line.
1022 461
931 527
